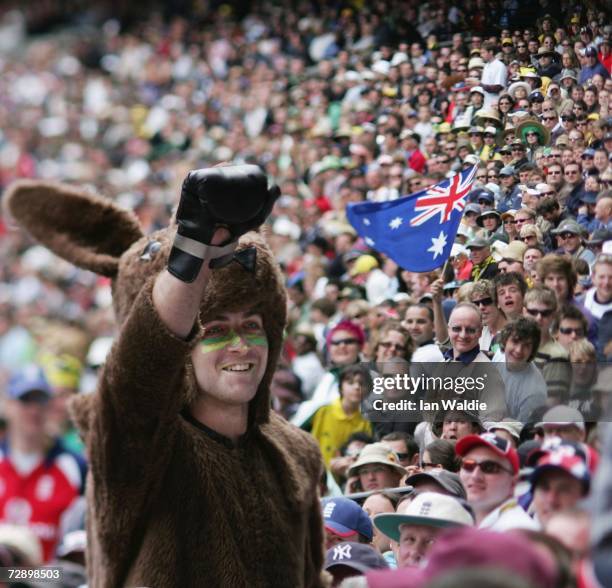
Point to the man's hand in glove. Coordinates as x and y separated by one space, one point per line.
235 198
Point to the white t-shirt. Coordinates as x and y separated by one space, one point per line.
594 307
494 73
508 515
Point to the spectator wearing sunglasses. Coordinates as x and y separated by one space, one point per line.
551 357
510 197
489 473
569 238
571 325
493 320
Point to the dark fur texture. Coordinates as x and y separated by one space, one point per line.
168 504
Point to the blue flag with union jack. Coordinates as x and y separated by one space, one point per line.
415 231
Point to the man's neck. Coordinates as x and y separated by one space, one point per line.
28 444
480 514
601 299
226 419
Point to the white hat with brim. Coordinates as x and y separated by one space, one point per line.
430 509
376 453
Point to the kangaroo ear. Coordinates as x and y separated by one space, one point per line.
87 230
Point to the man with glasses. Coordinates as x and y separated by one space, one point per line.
592 66
493 320
571 326
554 176
489 473
569 239
551 357
464 331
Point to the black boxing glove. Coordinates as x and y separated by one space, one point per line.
235 197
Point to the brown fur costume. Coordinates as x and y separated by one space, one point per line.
171 503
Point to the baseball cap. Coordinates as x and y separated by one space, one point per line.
560 459
507 170
343 517
590 52
29 379
498 445
448 481
358 556
429 509
568 226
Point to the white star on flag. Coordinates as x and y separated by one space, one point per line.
396 222
369 241
366 222
438 244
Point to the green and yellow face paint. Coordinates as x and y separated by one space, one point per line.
220 339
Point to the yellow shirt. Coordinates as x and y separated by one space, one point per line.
331 427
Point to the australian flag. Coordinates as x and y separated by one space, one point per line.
415 231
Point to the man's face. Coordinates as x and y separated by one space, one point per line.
602 280
478 254
456 427
517 351
418 324
554 177
555 490
541 313
510 300
29 413
485 492
377 476
557 282
506 266
572 173
570 330
531 257
484 302
343 348
464 329
415 542
231 358
603 209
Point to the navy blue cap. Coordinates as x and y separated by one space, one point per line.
29 379
358 556
343 517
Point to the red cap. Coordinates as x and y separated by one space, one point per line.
497 444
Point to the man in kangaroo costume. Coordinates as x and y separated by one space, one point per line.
193 480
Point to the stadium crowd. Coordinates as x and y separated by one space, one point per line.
342 103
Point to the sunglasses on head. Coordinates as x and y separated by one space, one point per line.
487 467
